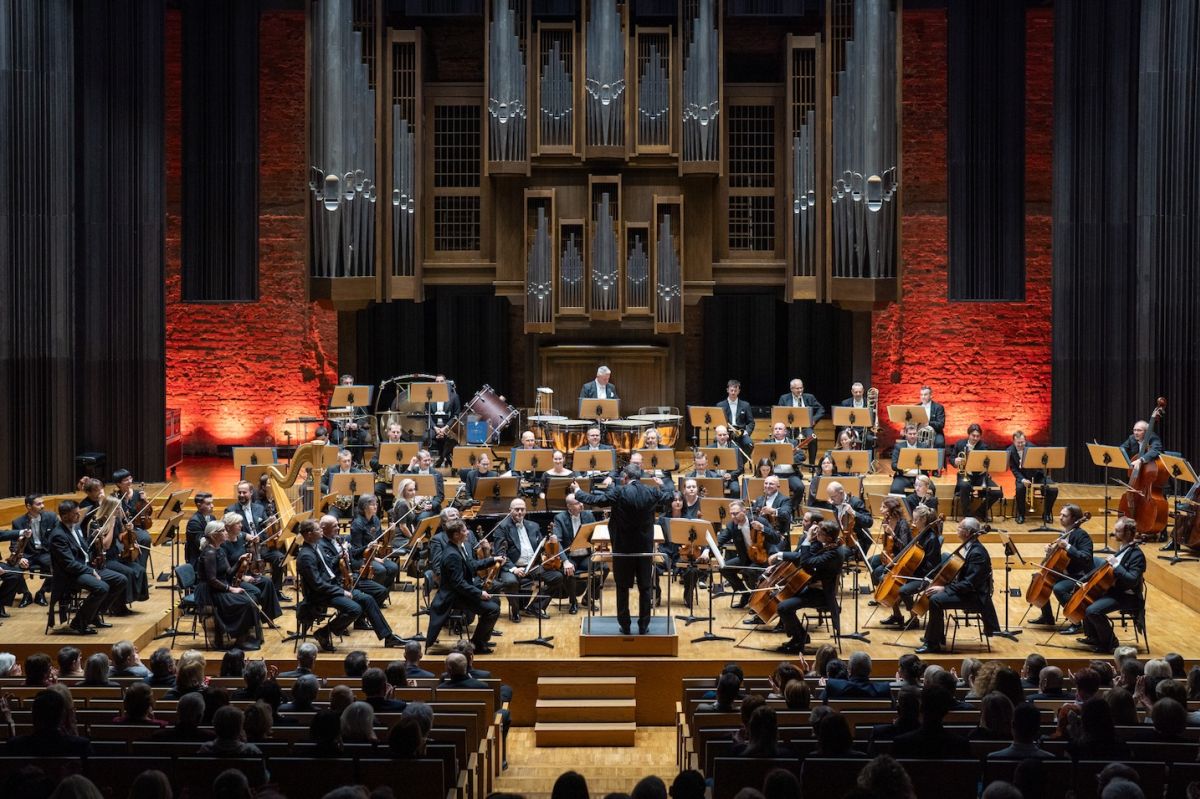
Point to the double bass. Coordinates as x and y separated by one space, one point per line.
946 573
1144 502
1053 566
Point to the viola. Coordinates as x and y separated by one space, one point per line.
888 545
19 551
1053 566
552 553
1145 502
758 543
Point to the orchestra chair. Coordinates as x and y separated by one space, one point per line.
964 617
1137 619
308 615
185 584
65 600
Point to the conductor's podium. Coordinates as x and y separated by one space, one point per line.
601 636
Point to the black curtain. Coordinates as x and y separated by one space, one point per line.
986 144
1126 188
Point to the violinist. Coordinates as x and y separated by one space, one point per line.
34 526
194 535
1129 568
924 493
971 588
745 534
1078 544
1027 477
819 555
855 511
773 506
323 588
254 524
929 540
136 584
410 508
668 548
566 526
71 556
969 481
518 538
459 589
240 553
364 531
12 582
334 549
233 608
131 502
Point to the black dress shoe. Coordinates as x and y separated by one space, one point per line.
1019 519
892 621
4 614
486 649
1046 519
83 630
394 641
643 630
929 649
624 630
120 612
790 648
26 602
1071 629
1088 641
741 602
250 646
514 616
325 640
362 624
574 609
40 599
536 613
101 623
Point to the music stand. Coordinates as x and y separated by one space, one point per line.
776 453
919 458
354 483
467 457
1107 457
851 461
253 456
908 414
1010 549
715 509
495 494
532 460
852 417
717 457
1044 458
710 486
173 503
716 555
752 488
398 453
587 461
1179 469
423 533
852 484
706 418
658 459
427 392
687 532
352 397
601 409
426 483
556 492
792 418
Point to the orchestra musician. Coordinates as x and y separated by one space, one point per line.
342 505
254 524
559 471
1129 568
1143 445
131 501
333 547
422 463
929 540
385 473
410 509
194 533
903 480
601 387
668 548
700 466
730 476
738 415
364 531
34 525
233 608
894 526
797 398
71 560
1078 544
137 587
969 481
458 589
738 533
12 580
528 441
819 555
323 589
844 504
631 527
440 540
779 435
566 526
651 440
924 493
937 416
441 415
470 477
518 538
773 506
857 399
260 587
971 588
826 468
1026 477
351 431
578 462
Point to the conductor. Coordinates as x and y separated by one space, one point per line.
631 527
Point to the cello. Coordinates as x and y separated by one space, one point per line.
1053 566
887 593
946 573
1144 502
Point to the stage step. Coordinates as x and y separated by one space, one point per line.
587 687
582 710
596 733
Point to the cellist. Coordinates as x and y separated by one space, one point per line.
1129 566
740 533
930 542
819 555
971 588
1078 544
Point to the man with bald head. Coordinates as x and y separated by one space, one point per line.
853 510
576 567
520 540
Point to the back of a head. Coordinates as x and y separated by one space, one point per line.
1096 721
95 669
996 714
909 668
231 784
47 711
780 784
325 727
936 702
233 663
1122 789
355 663
649 788
150 784
406 739
1008 682
763 728
688 785
727 689
305 689
358 722
255 673
456 664
306 655
412 652
256 721
999 789
420 711
1122 706
1034 663
189 710
374 682
885 778
834 735
1169 717
797 695
1026 722
396 675
570 785
37 669
860 665
137 700
1157 668
227 722
76 786
750 703
631 474
1178 667
1087 683
1050 680
1171 689
936 675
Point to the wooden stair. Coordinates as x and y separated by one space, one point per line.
586 711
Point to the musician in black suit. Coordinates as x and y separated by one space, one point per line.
738 414
858 399
926 532
1143 444
34 526
730 473
194 533
71 561
12 581
470 477
601 387
1129 568
774 506
579 458
440 415
342 505
779 436
566 526
1027 477
519 539
458 589
738 532
969 481
631 526
797 398
818 555
255 526
322 589
903 480
845 505
1078 544
422 463
971 588
331 546
937 416
366 530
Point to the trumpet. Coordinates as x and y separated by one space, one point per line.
1029 497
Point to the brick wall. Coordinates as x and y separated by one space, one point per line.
987 362
239 370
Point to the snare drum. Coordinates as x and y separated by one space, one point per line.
568 435
667 424
488 406
625 435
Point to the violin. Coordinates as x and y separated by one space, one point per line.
243 567
946 573
18 552
1145 502
1054 566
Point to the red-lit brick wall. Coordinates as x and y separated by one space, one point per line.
987 362
239 370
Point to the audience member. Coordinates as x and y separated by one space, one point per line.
1092 734
189 713
423 714
138 704
689 784
162 669
995 718
784 673
228 726
457 673
750 703
231 784
649 788
909 669
1026 725
824 654
340 697
96 671
304 693
150 784
324 735
356 663
70 662
727 693
569 785
835 738
233 663
908 715
797 695
257 722
1050 685
1169 719
931 740
76 786
188 678
255 676
358 724
967 674
126 662
858 685
1000 789
884 778
778 784
1032 669
306 658
47 738
1122 705
379 693
412 662
38 671
1122 789
69 724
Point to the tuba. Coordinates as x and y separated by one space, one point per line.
925 436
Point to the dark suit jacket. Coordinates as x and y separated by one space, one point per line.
823 564
1014 465
363 533
855 689
193 535
416 672
974 579
818 410
732 534
901 444
462 682
633 512
931 743
470 479
46 524
66 555
439 543
960 448
743 419
365 486
450 409
505 540
783 506
257 510
458 572
937 417
589 391
1129 574
319 587
382 704
563 528
1154 447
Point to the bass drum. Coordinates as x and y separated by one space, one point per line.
667 425
413 425
491 408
